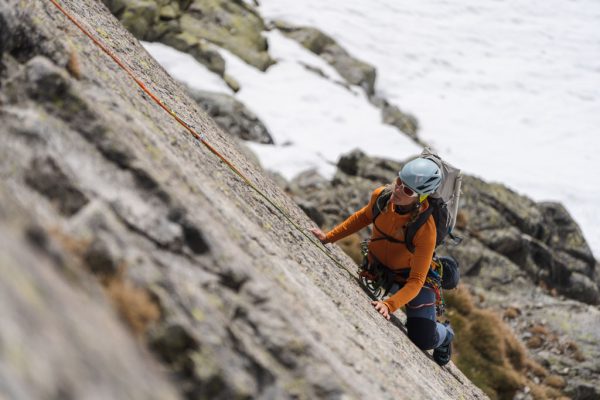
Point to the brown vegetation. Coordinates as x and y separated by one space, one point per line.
535 342
555 381
512 313
73 65
462 220
539 330
490 355
133 304
485 349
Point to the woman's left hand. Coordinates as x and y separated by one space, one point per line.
382 308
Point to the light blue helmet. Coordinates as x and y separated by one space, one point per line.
421 175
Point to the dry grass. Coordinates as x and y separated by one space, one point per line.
538 391
462 220
573 349
578 356
535 368
515 352
555 381
571 346
485 348
459 300
74 246
134 305
535 342
539 330
552 393
490 355
73 65
512 313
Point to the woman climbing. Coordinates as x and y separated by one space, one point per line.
410 266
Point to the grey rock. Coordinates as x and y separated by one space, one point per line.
53 316
139 17
231 25
407 123
47 178
529 237
565 233
356 163
309 181
583 391
197 48
582 288
169 11
244 304
353 70
232 116
504 241
512 253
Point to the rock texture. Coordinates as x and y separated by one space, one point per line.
197 26
200 27
516 254
60 339
232 116
101 185
354 71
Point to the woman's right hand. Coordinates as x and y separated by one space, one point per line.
382 308
318 234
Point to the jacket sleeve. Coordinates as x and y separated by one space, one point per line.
352 224
419 267
355 222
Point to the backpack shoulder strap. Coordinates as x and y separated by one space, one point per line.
380 202
412 229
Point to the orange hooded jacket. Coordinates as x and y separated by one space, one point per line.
393 255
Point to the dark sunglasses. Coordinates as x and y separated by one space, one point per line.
405 189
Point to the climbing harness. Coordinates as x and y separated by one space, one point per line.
378 279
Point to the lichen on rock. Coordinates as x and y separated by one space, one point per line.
234 301
231 25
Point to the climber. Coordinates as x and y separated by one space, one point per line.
415 182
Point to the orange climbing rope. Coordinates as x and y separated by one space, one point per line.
189 129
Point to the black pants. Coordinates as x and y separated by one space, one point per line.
421 324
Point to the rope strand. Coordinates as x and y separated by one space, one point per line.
198 136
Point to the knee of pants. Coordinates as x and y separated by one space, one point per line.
423 305
422 332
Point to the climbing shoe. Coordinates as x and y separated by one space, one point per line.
441 354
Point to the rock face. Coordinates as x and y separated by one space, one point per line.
200 27
59 337
515 252
105 196
232 116
355 71
234 25
193 25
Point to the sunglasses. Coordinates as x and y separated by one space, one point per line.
405 189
